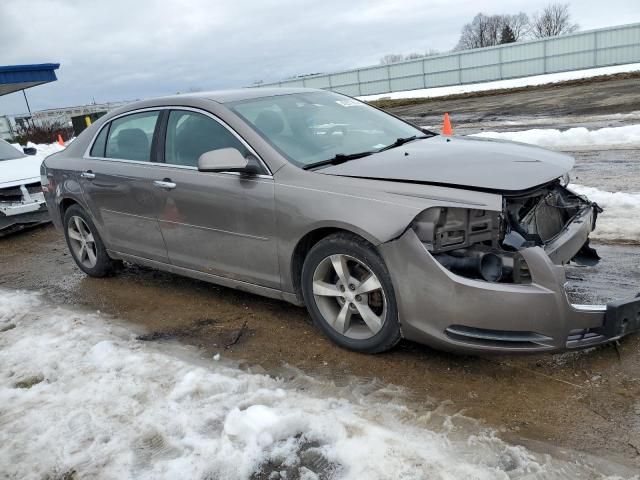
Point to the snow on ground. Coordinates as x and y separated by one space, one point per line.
43 149
78 394
579 137
620 221
505 84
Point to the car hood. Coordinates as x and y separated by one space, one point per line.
475 163
19 171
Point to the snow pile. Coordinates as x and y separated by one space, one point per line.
505 84
579 137
620 221
43 149
81 398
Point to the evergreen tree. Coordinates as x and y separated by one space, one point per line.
507 36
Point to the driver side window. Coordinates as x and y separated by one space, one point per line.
190 134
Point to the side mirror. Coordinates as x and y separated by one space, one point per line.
222 160
29 150
253 166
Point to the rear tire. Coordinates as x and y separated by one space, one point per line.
348 292
85 244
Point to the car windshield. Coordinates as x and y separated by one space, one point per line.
311 127
8 152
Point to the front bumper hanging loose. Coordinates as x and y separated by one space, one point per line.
451 312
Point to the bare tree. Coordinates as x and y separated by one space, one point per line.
494 26
555 19
415 55
518 23
391 58
483 31
398 57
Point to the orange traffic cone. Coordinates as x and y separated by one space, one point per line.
446 126
60 141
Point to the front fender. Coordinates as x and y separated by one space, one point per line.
378 211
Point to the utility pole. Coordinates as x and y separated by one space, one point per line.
26 101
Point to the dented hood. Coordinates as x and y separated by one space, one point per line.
461 161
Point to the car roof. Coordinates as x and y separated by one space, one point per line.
218 96
225 96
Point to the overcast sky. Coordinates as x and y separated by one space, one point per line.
128 49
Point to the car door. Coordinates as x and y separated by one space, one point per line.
218 223
118 185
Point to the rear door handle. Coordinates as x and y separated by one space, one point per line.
166 183
88 174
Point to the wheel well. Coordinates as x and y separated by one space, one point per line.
65 204
303 247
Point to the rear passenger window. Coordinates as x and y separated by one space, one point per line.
130 137
98 146
190 134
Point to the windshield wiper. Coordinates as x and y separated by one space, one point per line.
341 157
401 141
337 159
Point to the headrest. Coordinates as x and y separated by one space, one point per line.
269 122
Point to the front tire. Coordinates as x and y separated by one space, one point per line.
85 244
348 292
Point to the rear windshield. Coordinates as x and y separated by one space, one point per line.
7 151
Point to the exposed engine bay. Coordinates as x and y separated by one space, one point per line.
481 244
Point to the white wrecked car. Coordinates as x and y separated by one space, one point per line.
21 201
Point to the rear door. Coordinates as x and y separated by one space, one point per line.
118 185
217 223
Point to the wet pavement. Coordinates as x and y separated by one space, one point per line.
613 170
615 276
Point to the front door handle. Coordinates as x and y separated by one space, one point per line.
166 184
88 174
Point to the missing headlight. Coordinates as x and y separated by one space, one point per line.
442 229
467 243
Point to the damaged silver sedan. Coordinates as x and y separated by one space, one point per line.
383 230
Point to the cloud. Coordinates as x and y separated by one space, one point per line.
128 49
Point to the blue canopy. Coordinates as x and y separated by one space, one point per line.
19 77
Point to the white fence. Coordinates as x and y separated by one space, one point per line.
590 49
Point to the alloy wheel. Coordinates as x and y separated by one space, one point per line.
349 296
82 242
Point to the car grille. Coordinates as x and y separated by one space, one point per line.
14 194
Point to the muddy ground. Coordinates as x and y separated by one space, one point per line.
585 401
567 104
